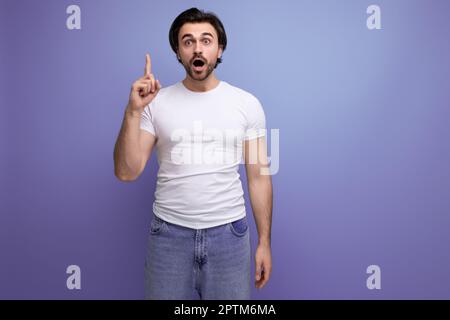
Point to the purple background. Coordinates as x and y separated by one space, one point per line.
364 152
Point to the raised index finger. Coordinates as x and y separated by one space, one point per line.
148 65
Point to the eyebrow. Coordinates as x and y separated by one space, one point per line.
203 34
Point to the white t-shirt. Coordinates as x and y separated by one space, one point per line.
199 149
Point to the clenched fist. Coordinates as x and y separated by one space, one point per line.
143 90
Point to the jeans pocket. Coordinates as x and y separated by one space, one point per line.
156 225
239 227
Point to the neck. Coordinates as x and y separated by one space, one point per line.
201 85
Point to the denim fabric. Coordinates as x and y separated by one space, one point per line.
190 264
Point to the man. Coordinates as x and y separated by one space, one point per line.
199 242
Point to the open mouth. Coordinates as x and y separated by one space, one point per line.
198 64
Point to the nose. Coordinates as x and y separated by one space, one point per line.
198 47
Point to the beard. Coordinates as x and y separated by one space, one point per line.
196 75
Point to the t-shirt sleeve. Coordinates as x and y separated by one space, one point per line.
256 119
147 120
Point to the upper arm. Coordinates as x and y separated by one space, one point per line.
146 143
255 157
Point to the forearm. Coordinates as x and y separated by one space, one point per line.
127 155
260 191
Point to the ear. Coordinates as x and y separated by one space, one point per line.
219 55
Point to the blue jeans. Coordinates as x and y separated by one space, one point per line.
189 264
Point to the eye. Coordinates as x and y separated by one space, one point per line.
207 41
188 42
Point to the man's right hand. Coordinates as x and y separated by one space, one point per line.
143 90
